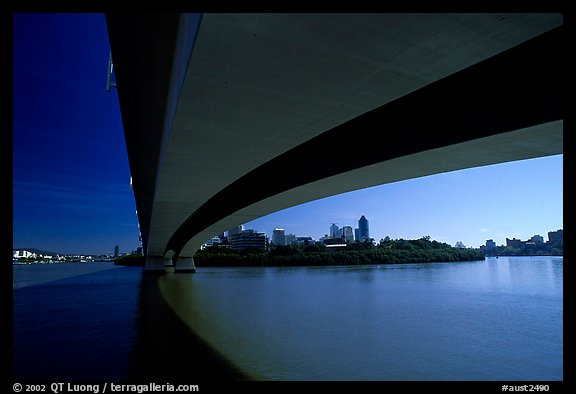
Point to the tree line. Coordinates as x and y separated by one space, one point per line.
399 251
530 249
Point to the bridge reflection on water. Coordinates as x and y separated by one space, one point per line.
167 349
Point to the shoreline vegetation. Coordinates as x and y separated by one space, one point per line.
357 253
399 251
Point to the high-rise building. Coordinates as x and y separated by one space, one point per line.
363 229
279 236
357 234
116 251
490 244
348 234
247 239
334 230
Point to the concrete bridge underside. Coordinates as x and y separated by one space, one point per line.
229 117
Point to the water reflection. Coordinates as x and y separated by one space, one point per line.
166 349
454 321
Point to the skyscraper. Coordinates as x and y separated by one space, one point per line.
334 230
348 233
116 251
279 236
363 229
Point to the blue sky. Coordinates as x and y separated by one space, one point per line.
517 199
71 173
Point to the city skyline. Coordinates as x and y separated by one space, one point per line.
515 199
71 173
271 234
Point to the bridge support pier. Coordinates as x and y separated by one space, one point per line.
157 264
185 265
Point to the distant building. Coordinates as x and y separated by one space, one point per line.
290 239
235 230
555 236
490 244
334 230
357 234
460 245
279 236
363 229
247 239
348 234
513 243
214 241
537 239
334 241
23 254
116 251
304 241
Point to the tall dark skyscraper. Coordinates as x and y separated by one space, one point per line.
116 251
363 228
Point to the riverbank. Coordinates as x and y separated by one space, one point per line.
389 252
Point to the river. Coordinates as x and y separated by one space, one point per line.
498 319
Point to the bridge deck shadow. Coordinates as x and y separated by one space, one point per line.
167 350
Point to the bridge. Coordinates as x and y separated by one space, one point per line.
230 117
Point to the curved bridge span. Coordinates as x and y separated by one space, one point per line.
230 117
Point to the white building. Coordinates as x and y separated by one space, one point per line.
23 254
279 236
211 242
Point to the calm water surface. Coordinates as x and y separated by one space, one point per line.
74 321
499 319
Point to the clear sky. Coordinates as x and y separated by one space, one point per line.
517 199
71 173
